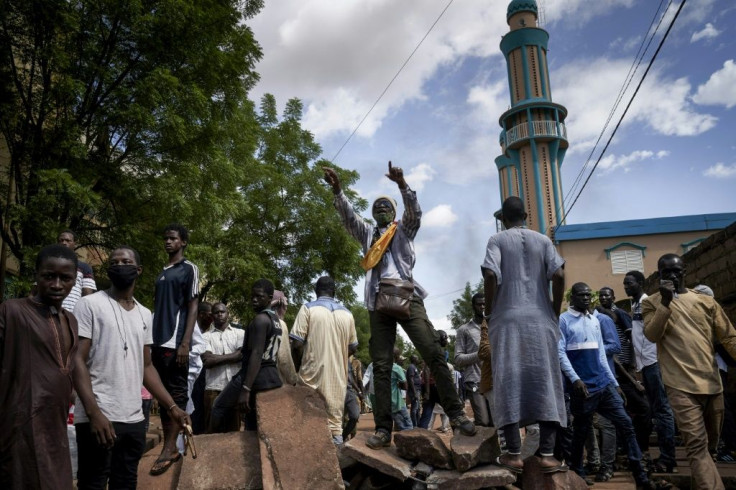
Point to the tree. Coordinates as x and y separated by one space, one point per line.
285 226
462 307
121 117
112 112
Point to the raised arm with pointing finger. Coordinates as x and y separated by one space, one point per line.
388 249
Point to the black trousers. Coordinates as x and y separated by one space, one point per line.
175 378
117 467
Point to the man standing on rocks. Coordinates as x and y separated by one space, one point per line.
645 355
322 339
523 332
113 362
685 325
388 248
221 359
467 343
584 362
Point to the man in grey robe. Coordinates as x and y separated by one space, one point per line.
523 333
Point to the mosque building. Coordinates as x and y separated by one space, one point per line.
533 142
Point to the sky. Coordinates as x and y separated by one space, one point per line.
673 154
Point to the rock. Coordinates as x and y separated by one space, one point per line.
295 444
470 451
423 445
534 479
167 481
384 460
479 477
224 461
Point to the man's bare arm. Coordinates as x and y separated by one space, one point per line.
558 290
490 288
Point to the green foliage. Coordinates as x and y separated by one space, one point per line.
283 225
121 117
462 307
363 329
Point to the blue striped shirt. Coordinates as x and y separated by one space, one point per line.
582 352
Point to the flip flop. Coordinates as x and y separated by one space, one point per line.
562 467
514 469
161 465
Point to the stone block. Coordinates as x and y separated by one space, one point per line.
224 462
295 444
384 460
534 479
470 451
423 445
479 477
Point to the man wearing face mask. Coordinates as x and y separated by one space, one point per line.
388 248
113 361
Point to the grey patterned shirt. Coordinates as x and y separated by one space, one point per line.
400 252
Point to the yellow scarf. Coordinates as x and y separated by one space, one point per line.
374 254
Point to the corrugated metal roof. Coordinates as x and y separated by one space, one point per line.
648 226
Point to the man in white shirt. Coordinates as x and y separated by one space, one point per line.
645 356
113 361
221 358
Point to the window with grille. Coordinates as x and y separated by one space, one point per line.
623 261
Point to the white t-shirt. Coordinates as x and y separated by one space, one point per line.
116 373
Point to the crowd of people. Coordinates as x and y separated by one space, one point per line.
560 377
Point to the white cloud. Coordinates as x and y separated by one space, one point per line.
721 171
440 216
443 323
611 162
589 87
720 89
707 32
419 175
339 56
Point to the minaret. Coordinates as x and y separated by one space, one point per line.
534 138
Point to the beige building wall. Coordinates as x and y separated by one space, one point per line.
586 261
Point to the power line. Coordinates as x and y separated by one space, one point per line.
626 110
624 87
392 80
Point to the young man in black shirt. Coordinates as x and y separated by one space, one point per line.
174 319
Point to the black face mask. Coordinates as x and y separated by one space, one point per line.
122 276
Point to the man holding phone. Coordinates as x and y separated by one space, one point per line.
685 326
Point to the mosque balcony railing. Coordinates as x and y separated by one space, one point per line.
537 129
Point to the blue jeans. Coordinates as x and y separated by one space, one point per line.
609 404
664 421
402 419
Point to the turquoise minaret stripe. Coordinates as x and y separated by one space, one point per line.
547 117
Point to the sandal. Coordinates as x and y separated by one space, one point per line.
162 465
513 469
